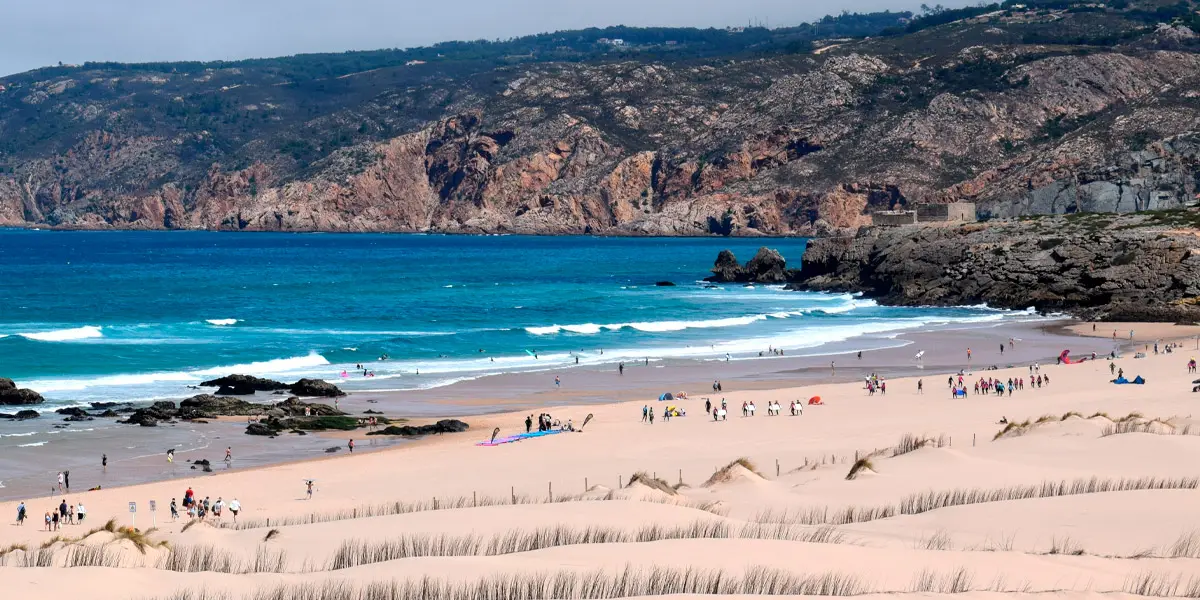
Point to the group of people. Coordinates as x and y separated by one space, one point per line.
874 383
66 514
547 423
717 386
201 509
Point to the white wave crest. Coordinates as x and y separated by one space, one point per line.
278 365
31 445
647 326
222 322
64 335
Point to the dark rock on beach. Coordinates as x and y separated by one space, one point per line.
665 284
73 411
208 406
99 405
11 395
243 385
443 426
24 414
767 266
315 387
259 429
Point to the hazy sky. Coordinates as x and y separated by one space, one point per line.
35 33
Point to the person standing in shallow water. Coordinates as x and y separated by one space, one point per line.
351 445
104 462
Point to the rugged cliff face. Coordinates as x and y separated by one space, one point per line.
1134 267
1038 111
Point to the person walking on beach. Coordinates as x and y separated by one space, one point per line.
1112 368
61 482
645 412
21 514
308 485
62 512
351 445
920 386
651 417
620 368
228 455
557 382
174 510
707 405
1002 349
48 518
104 462
234 508
529 424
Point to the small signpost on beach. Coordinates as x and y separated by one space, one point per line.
133 511
153 509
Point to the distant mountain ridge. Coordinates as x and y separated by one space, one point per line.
1041 107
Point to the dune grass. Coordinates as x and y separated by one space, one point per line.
860 465
1065 545
88 555
957 581
910 443
353 553
632 581
272 534
1013 429
207 558
940 540
450 503
1068 415
1161 585
651 482
915 504
726 473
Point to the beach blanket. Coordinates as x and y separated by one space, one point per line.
518 437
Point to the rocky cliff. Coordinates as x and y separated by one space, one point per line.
1025 109
1133 267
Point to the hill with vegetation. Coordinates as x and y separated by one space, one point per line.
1024 108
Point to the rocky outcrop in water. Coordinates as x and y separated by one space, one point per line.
767 266
11 395
243 385
315 388
1135 268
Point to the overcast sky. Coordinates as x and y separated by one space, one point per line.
38 33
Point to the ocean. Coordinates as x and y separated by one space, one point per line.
136 316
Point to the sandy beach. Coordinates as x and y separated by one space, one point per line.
1090 490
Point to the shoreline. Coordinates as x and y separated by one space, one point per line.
793 469
500 400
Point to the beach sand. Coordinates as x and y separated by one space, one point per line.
1082 500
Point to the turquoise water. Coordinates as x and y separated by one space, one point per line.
95 316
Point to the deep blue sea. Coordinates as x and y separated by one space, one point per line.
94 316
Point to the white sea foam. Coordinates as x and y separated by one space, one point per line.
222 322
278 365
64 335
647 326
31 445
